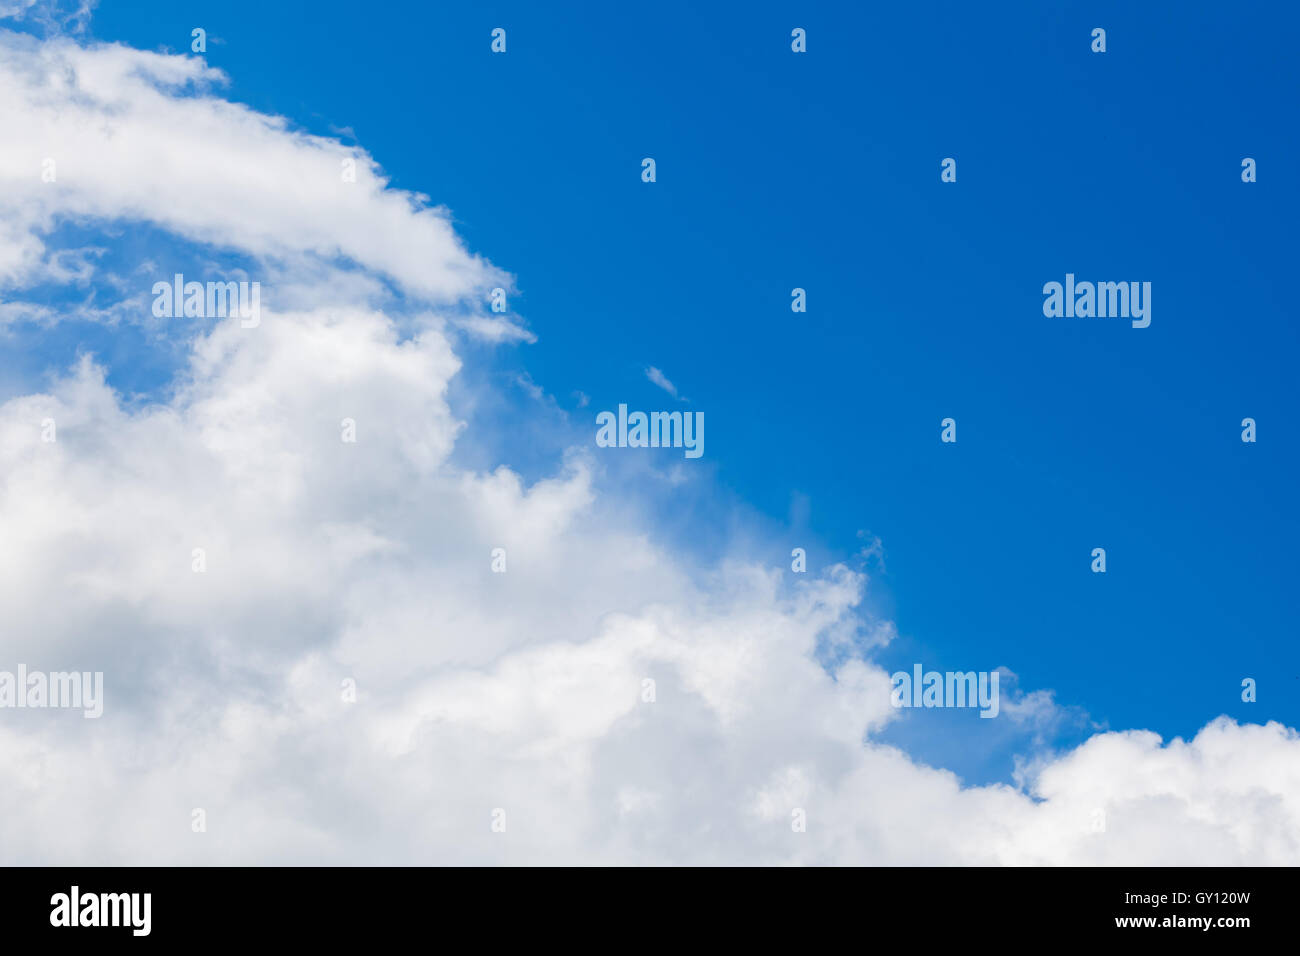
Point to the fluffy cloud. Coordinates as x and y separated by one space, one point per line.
140 136
370 561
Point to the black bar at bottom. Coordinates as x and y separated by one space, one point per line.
333 906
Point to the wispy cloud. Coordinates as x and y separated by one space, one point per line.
53 16
660 379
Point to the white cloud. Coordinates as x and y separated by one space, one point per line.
15 9
495 329
53 16
139 135
371 560
661 380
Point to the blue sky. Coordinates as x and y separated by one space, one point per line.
821 171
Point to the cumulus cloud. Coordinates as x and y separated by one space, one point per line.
618 701
141 136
